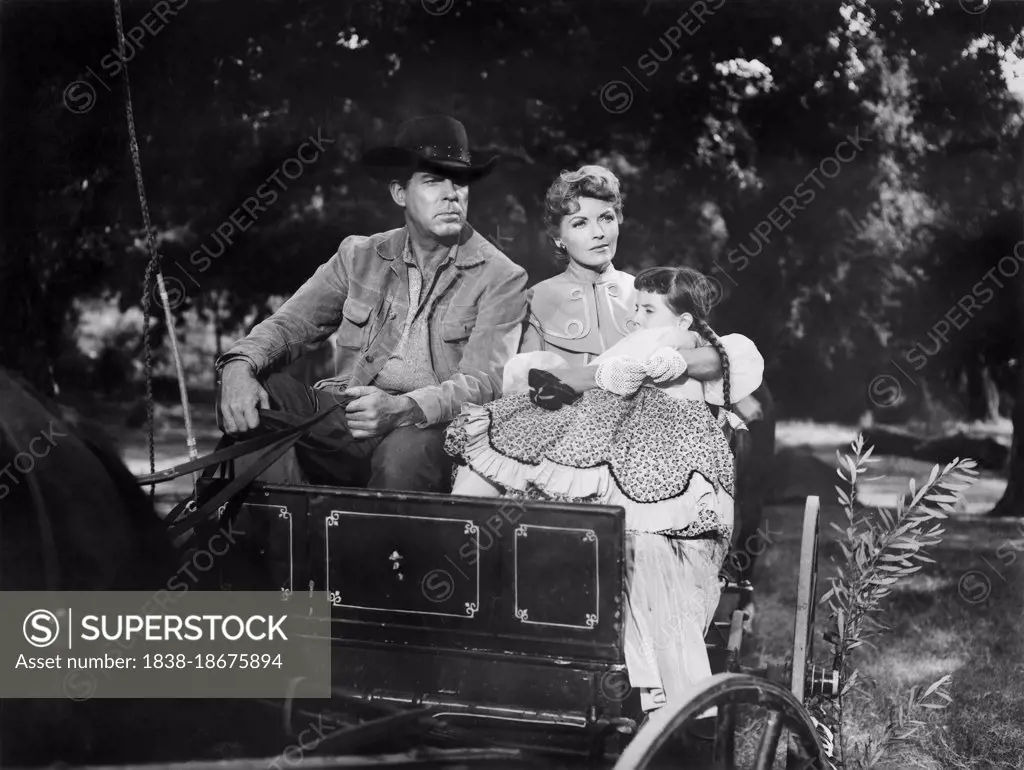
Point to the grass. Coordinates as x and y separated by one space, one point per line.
963 615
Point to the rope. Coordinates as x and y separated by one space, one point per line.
154 257
152 268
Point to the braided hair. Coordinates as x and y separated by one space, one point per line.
688 291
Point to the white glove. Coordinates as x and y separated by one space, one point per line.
622 375
665 364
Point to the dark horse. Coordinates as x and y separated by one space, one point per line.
72 518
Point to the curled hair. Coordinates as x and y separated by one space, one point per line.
562 197
688 291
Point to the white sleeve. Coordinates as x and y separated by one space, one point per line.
746 370
515 378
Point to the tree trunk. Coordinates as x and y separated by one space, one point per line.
992 400
1012 501
982 393
981 390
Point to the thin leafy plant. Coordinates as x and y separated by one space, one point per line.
880 548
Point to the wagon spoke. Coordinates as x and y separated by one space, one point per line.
769 742
725 736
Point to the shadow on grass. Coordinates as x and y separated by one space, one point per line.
986 720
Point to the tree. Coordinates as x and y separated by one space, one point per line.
1012 501
741 106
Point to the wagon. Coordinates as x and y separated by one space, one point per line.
466 630
470 629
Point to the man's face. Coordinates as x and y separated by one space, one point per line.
433 204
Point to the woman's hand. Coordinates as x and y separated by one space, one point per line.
665 364
622 375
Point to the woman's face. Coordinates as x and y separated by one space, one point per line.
591 234
652 312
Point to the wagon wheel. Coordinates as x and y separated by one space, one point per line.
727 690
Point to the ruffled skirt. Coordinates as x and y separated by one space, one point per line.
665 460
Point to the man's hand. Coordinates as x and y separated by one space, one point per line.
703 364
376 413
240 396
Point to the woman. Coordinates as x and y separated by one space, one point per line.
577 315
589 307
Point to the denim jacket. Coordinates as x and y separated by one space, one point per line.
476 320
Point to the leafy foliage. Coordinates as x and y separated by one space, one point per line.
881 548
741 107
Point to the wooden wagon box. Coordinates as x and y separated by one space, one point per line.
480 606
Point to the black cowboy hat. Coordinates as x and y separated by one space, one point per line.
435 143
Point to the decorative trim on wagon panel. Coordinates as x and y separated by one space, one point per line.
469 527
591 619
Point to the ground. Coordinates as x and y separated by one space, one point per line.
960 616
963 615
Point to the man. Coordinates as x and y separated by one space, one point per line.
427 316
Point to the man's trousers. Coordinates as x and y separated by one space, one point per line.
408 459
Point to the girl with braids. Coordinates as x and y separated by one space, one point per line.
641 436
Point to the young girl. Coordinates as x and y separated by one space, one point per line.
644 439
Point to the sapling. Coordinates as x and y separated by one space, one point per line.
880 548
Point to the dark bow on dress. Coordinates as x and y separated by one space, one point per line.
549 392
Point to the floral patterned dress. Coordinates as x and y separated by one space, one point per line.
661 455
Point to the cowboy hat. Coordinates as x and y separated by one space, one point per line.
435 143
